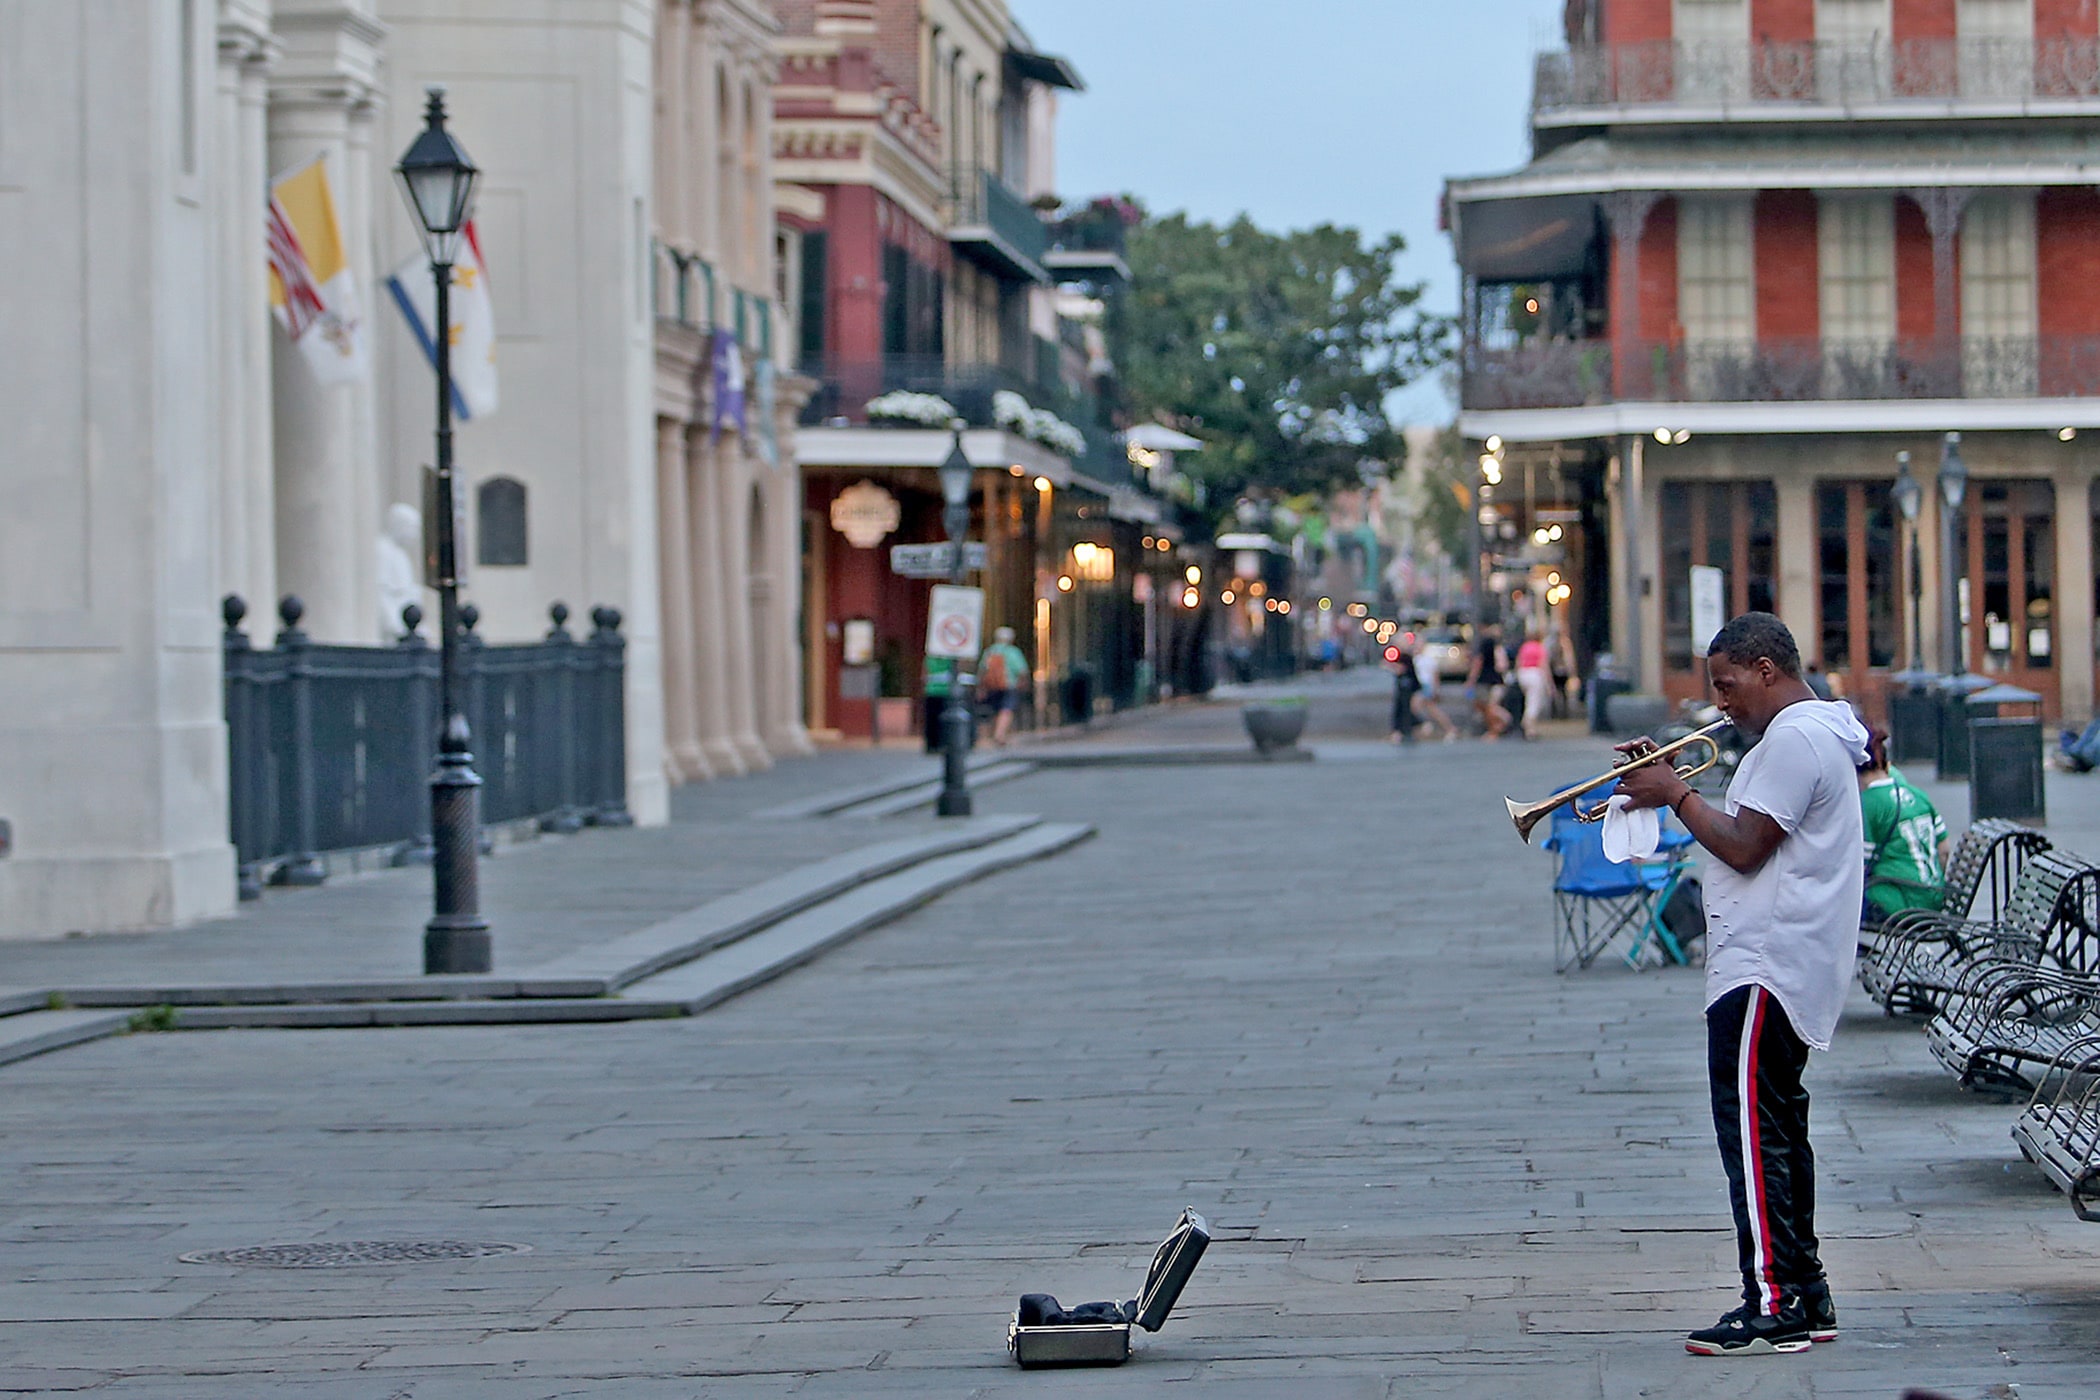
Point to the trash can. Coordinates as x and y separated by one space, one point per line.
1953 693
1605 682
1077 701
1914 717
2005 754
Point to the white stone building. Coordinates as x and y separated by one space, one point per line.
168 445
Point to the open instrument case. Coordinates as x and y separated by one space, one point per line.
1098 1334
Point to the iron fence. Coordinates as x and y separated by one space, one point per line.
1819 71
331 747
1572 373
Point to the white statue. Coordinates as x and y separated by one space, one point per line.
400 580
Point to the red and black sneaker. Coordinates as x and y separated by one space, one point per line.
1746 1332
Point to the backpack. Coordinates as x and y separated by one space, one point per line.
994 677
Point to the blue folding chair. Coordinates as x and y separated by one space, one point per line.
1595 900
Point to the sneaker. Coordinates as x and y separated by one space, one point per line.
1820 1312
1747 1333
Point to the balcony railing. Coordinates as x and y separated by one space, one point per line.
1818 72
998 227
1570 374
844 388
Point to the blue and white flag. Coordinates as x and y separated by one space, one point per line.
473 323
729 383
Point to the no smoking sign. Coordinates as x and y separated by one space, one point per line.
955 623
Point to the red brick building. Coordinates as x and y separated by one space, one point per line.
914 164
1762 247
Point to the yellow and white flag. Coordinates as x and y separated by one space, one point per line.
312 289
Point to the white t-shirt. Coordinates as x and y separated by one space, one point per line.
1426 672
1792 925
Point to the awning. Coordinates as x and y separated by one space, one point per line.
1047 69
1527 240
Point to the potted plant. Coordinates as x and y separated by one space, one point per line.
1274 724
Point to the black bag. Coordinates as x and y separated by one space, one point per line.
1684 915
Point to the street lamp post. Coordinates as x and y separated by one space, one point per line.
1909 496
955 718
1954 489
438 180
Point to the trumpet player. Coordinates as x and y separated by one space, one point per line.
1782 914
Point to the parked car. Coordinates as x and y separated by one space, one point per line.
1453 651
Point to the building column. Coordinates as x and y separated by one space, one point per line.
247 549
681 706
1942 208
2074 590
1794 547
326 481
710 600
785 726
1626 212
733 458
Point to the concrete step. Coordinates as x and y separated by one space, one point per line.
29 1033
763 956
925 794
719 922
695 985
828 804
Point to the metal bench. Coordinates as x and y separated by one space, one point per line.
2015 1004
1982 876
2060 1129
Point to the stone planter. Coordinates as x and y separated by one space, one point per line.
1273 727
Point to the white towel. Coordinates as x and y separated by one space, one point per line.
1630 835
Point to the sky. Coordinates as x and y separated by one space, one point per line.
1298 112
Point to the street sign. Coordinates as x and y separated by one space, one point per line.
955 623
935 560
1709 587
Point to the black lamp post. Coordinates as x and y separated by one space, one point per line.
1954 489
1908 497
438 180
955 719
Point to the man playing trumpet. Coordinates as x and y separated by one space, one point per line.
1782 918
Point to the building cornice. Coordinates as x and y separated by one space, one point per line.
1776 175
331 52
1835 416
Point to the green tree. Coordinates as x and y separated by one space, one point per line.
1280 350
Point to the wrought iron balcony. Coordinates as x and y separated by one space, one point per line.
1694 73
845 387
1574 373
998 229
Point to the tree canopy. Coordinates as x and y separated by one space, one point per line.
1279 350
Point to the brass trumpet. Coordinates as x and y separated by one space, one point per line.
1528 817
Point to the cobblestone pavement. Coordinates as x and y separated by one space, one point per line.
1314 1001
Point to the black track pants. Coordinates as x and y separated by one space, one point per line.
1754 1062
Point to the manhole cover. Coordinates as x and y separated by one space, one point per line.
336 1254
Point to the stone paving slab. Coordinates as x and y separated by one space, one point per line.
1315 1001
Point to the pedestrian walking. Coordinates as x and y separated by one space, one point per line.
1536 681
1000 672
1428 678
1405 685
1782 915
1484 682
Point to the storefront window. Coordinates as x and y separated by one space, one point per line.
1730 525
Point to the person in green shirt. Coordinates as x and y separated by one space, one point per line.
1906 838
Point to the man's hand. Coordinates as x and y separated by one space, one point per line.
1651 784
